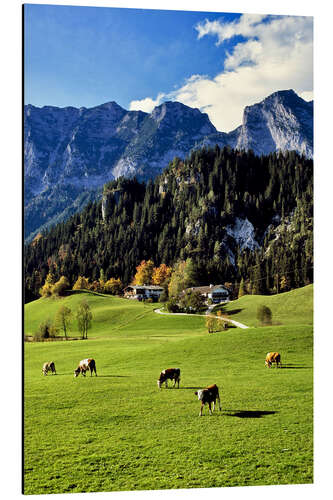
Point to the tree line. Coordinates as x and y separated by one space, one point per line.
185 215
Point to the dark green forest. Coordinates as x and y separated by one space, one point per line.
189 211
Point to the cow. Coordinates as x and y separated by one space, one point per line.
84 366
49 366
273 357
208 395
171 374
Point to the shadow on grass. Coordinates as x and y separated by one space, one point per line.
294 367
114 376
248 413
194 388
232 311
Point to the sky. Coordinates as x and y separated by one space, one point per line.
217 62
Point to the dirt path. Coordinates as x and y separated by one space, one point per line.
233 322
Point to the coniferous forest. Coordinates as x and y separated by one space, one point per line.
192 212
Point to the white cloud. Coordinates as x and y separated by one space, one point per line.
276 54
224 31
147 104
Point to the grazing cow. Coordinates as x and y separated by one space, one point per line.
49 367
84 366
208 395
171 374
273 357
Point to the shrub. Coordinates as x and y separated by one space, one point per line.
192 301
264 315
45 331
164 296
216 324
172 306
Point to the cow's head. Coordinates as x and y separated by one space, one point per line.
199 394
159 383
77 372
268 363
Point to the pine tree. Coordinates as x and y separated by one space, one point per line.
241 291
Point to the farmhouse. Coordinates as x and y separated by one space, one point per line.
217 293
140 292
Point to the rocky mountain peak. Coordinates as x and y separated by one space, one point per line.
75 151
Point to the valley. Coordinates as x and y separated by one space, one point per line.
118 431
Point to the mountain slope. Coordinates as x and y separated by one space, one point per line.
236 216
70 153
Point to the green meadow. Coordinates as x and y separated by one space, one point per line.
118 431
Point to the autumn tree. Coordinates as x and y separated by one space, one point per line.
113 286
178 281
84 318
144 273
60 286
210 323
161 274
284 284
216 323
95 286
63 318
81 283
46 290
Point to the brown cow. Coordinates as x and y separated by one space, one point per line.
273 357
84 366
171 374
49 367
208 395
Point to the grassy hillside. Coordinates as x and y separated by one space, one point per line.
118 431
289 308
109 312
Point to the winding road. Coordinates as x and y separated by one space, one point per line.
233 322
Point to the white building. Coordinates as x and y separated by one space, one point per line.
140 292
217 293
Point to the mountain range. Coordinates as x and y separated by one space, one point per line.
70 153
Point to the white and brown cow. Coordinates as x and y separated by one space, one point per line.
169 374
49 366
86 365
273 357
208 395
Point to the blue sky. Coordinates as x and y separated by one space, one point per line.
85 56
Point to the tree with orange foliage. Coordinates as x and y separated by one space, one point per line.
161 274
47 288
81 283
113 286
144 272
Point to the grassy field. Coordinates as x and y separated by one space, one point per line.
290 308
118 431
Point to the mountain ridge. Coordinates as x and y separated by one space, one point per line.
71 152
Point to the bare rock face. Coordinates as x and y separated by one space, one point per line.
283 121
70 153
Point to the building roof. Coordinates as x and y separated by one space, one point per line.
145 287
207 289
